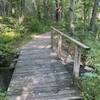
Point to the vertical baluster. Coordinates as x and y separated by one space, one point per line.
77 61
52 38
59 45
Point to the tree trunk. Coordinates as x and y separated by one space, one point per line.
1 8
22 10
22 4
93 18
45 4
72 16
57 11
85 15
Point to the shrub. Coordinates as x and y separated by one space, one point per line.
2 96
6 55
90 86
33 25
90 82
8 37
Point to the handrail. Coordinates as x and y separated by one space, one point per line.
73 40
78 46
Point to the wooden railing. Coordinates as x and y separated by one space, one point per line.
78 46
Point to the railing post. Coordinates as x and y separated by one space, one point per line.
77 61
52 37
78 47
59 45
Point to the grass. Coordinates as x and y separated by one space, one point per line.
2 96
89 83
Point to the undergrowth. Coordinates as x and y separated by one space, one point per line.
2 96
89 83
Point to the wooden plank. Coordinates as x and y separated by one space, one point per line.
73 40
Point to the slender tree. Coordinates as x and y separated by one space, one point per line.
57 10
94 13
72 16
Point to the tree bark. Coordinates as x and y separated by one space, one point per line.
72 16
46 14
93 18
57 11
84 15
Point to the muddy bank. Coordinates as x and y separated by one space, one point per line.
5 77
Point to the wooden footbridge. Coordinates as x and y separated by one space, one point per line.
40 75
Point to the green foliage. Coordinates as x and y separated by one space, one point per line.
89 39
90 86
6 55
94 55
97 67
9 35
90 82
2 96
33 25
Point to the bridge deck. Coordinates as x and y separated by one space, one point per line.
39 75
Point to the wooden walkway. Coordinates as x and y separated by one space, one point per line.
39 75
